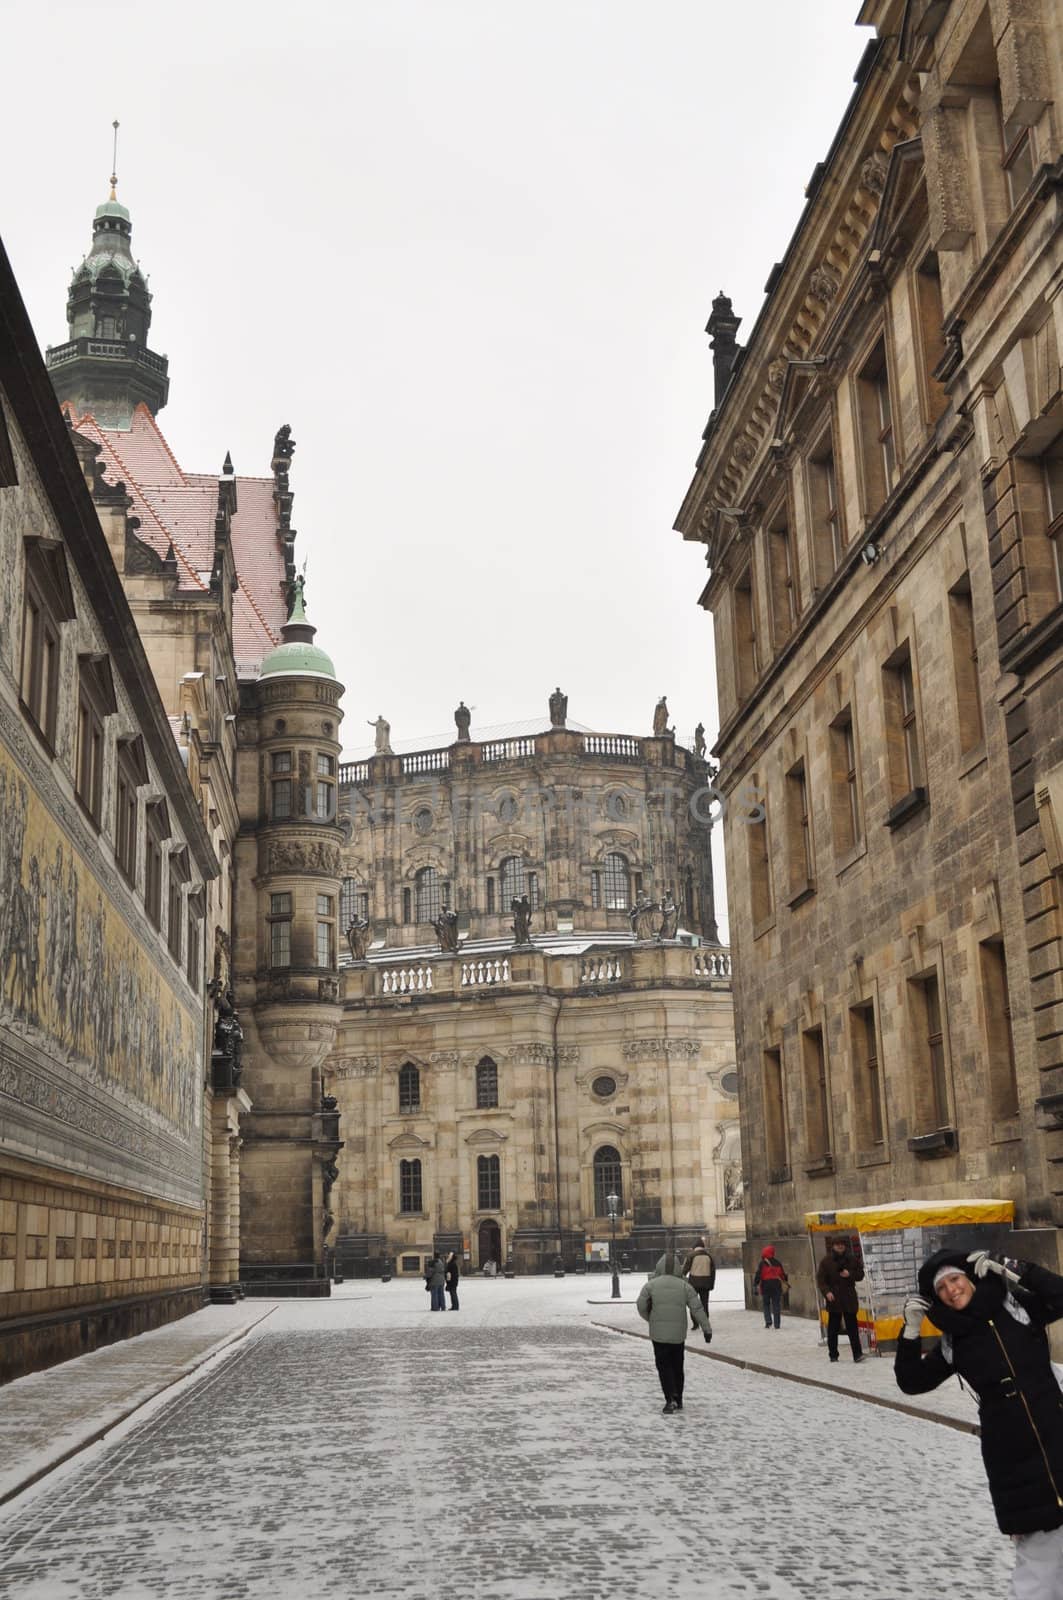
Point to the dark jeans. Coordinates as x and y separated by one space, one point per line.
453 1293
669 1359
703 1296
771 1296
438 1303
852 1328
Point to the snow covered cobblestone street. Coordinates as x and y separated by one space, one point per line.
363 1446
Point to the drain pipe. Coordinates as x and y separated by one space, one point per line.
557 1137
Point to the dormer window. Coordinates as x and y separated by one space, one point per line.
96 702
47 604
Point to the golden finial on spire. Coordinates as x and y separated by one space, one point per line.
114 163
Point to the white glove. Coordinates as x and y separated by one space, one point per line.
915 1309
1004 1266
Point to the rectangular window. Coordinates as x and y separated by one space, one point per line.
194 950
928 1029
323 801
280 930
174 915
875 415
131 772
326 932
759 868
784 606
1052 470
799 832
326 766
490 894
745 625
89 755
39 677
775 1123
929 318
867 1086
407 905
410 1187
533 889
281 761
903 744
156 832
817 1095
996 1000
596 890
488 1183
1018 157
828 541
965 666
280 799
845 784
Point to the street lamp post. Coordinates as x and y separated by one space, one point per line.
613 1202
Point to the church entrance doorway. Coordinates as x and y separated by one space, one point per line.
490 1243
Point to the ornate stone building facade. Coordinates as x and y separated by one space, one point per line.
536 1011
105 863
880 494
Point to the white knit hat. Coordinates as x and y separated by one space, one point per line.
948 1272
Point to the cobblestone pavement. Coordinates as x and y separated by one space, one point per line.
353 1449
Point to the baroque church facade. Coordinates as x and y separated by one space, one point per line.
264 1011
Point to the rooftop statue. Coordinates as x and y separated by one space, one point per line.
699 741
660 718
463 717
358 938
522 914
446 926
669 917
383 736
558 709
643 918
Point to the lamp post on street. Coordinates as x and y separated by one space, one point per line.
613 1203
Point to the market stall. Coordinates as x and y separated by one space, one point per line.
892 1241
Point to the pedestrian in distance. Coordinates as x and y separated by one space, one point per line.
451 1275
768 1282
992 1312
434 1280
700 1271
664 1301
838 1275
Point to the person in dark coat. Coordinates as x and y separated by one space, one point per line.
768 1282
838 1275
434 1279
453 1273
700 1272
992 1313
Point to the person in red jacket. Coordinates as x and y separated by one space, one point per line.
768 1282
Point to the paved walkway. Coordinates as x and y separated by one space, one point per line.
363 1446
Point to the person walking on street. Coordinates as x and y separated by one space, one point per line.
451 1276
838 1275
664 1301
435 1278
992 1313
700 1270
768 1282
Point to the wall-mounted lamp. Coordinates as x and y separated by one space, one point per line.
870 553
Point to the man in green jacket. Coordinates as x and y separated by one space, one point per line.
665 1303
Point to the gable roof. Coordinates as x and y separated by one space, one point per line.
177 508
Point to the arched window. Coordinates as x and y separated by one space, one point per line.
511 876
409 1088
427 891
488 1183
608 1179
410 1186
617 883
486 1084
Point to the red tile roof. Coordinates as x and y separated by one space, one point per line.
178 508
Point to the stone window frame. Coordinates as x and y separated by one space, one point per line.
847 798
178 875
817 1097
963 637
279 929
873 389
486 1084
781 565
410 1187
825 512
409 1098
131 773
156 833
998 1035
488 1183
47 606
902 723
607 1158
95 703
745 631
870 1123
800 840
778 1144
931 1086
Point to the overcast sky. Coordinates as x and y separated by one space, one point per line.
467 248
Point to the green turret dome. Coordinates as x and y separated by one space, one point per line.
298 656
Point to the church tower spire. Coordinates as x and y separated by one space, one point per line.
106 366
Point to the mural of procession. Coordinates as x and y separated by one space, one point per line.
74 971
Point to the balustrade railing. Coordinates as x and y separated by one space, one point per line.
425 761
474 974
601 969
105 350
614 746
406 980
711 963
354 772
507 750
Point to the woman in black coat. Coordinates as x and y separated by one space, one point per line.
992 1313
451 1280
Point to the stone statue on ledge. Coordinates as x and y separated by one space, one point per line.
660 718
228 1036
699 741
383 736
446 926
669 917
558 709
463 717
643 918
358 937
522 915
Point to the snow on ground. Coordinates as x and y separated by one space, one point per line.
366 1446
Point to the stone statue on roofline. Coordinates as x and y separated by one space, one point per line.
446 926
699 741
669 910
660 718
382 728
558 709
643 918
521 908
462 719
357 931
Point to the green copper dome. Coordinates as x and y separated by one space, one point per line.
298 656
